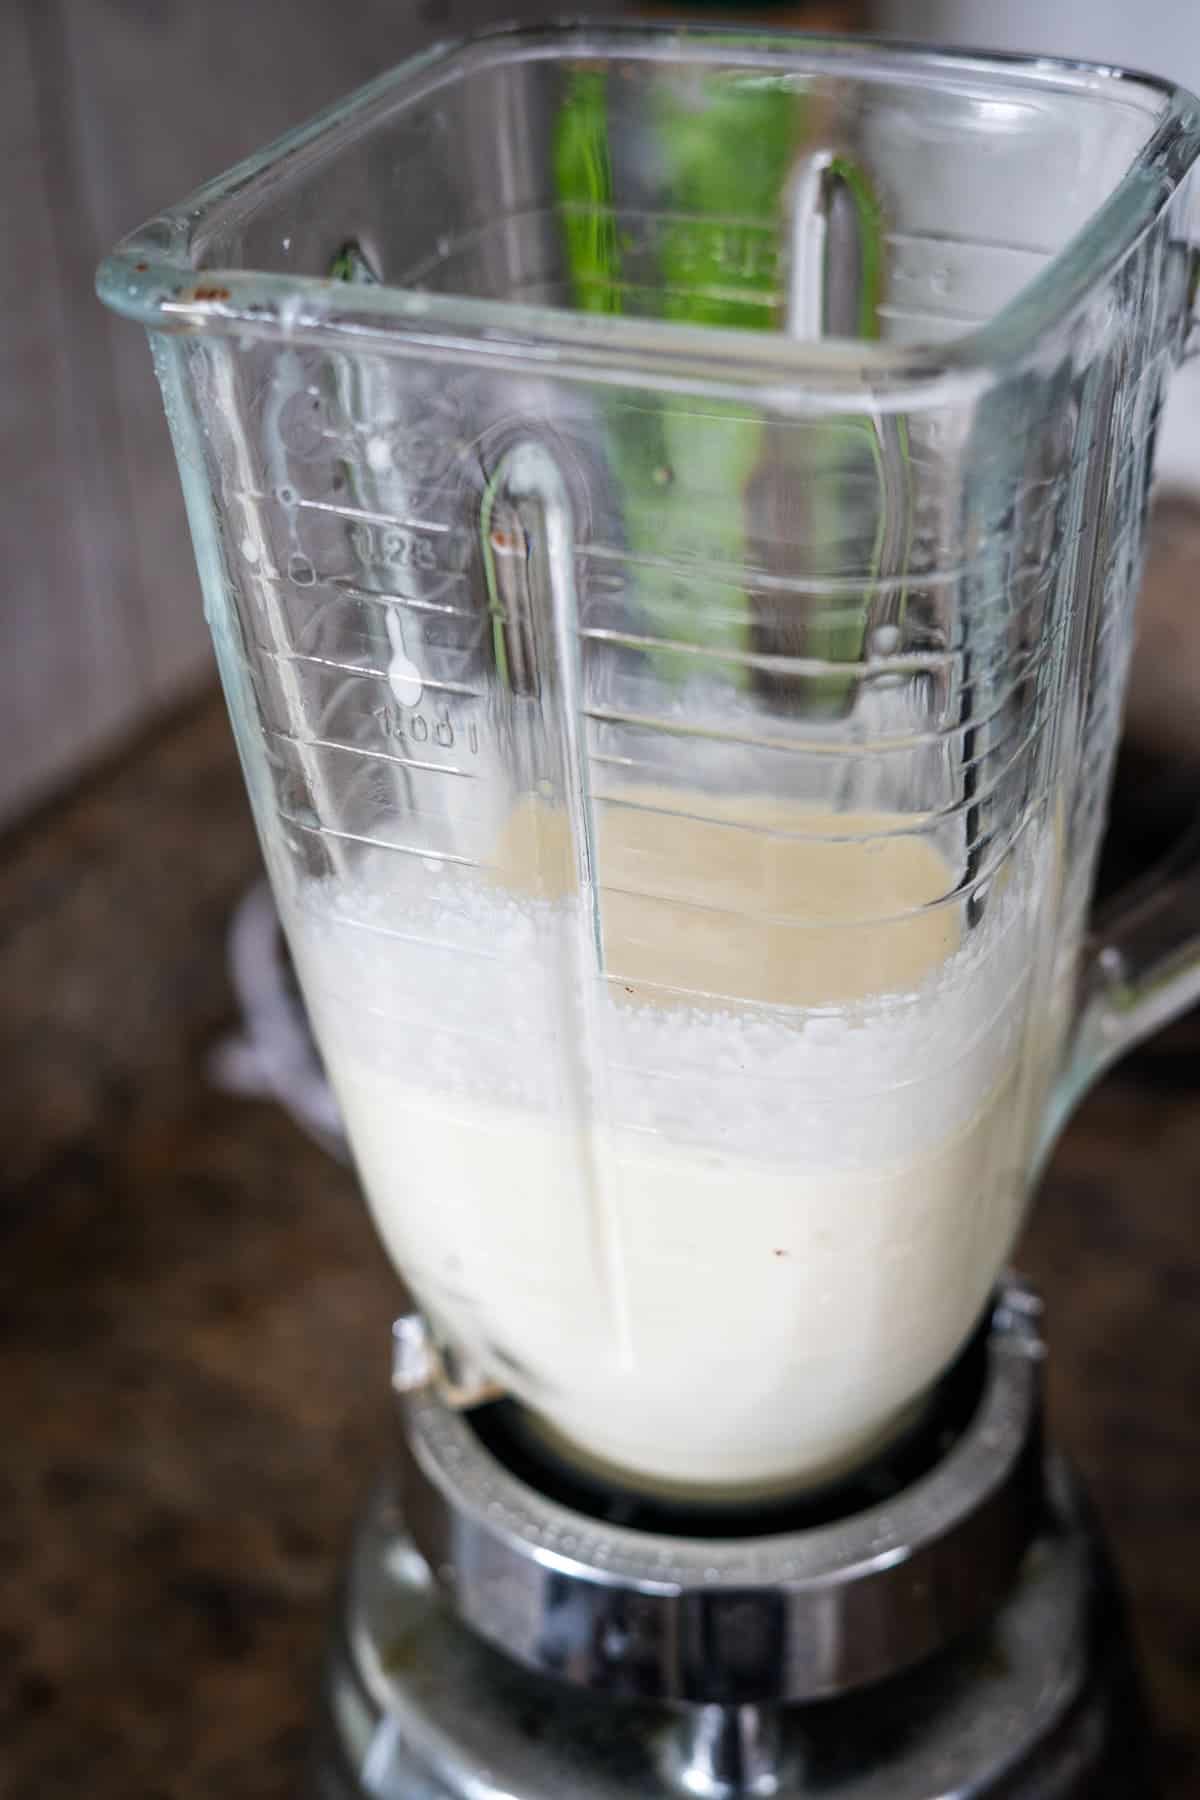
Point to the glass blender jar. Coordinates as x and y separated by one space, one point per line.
670 504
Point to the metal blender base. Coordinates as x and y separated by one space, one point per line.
1041 1704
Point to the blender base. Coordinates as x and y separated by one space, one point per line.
1042 1703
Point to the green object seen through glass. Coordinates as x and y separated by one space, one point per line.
728 155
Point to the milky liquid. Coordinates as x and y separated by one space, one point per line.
714 1242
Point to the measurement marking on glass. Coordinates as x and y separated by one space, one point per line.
410 602
306 659
372 754
913 662
354 514
349 588
912 740
416 727
803 926
688 563
375 843
984 760
404 677
427 946
875 668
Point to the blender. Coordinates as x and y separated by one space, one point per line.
669 504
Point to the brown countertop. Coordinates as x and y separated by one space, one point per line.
194 1313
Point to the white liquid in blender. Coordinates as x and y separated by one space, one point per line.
716 1244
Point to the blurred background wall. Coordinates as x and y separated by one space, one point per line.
108 110
1160 36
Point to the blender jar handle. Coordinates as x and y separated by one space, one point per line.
1141 969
